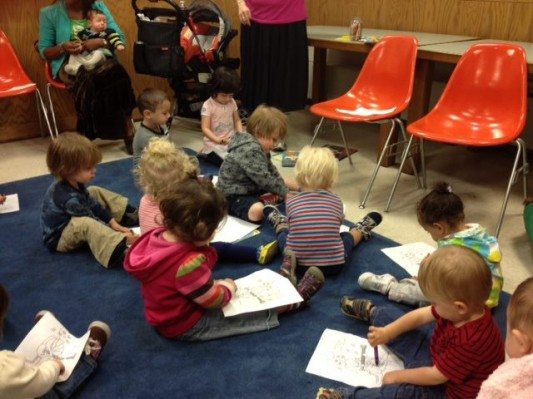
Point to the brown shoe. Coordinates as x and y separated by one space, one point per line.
98 337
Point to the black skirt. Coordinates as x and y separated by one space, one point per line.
274 65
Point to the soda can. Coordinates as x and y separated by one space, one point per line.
356 29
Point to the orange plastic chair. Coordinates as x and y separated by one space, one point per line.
58 84
15 82
484 104
379 95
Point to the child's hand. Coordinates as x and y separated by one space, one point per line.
120 47
291 184
72 47
130 238
378 335
61 366
2 199
232 284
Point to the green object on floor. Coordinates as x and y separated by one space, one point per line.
528 220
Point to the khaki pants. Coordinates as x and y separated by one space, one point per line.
101 238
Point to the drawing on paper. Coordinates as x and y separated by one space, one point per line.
409 256
350 359
58 345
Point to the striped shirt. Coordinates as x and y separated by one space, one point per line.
314 221
466 355
149 214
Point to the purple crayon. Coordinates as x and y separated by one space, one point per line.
376 355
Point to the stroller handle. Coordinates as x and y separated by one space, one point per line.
171 2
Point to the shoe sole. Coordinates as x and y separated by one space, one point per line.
103 326
268 252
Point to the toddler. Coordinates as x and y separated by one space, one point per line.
163 167
247 171
458 354
73 215
97 30
514 378
19 380
174 265
220 116
310 232
154 106
441 214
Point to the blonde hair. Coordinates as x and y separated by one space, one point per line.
520 310
267 121
316 168
163 166
70 153
456 273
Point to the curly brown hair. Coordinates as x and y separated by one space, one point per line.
440 205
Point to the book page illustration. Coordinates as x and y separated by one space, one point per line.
409 256
350 359
261 290
48 340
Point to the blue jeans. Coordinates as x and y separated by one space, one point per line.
235 252
85 367
413 349
239 205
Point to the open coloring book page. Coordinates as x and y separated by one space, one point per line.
232 229
409 256
261 290
11 204
350 359
48 339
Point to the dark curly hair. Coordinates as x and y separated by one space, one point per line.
441 205
224 80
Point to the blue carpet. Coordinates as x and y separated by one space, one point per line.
138 363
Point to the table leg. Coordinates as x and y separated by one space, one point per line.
318 93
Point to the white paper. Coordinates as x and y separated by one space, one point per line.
48 339
350 359
344 228
409 256
232 229
261 290
11 204
136 230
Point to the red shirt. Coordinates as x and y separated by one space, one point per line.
466 355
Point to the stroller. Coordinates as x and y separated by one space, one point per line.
184 45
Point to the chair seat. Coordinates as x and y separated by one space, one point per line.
15 88
348 108
58 84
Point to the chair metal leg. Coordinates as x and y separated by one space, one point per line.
378 165
345 144
317 130
525 166
520 152
39 115
413 164
52 111
423 163
45 113
404 157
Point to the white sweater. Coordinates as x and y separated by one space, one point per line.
21 381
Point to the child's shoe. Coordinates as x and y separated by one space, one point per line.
408 291
366 224
267 252
360 309
328 393
98 337
130 218
311 283
276 218
40 314
375 282
288 266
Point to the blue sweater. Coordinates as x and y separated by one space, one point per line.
61 202
55 27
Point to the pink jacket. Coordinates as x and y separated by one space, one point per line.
512 380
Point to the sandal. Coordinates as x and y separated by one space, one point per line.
359 309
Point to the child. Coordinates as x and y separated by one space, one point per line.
310 233
97 30
247 171
220 116
19 380
441 214
163 167
154 106
514 378
174 265
73 215
465 345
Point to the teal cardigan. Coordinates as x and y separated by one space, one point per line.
55 28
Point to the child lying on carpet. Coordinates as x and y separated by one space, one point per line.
310 232
514 378
174 265
73 215
19 380
247 171
441 214
462 350
164 167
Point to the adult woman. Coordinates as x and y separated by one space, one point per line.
104 97
274 53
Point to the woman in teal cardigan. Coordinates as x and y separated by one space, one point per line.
104 106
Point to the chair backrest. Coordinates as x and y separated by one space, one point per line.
10 67
388 73
489 83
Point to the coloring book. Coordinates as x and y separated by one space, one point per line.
409 256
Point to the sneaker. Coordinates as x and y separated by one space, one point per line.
366 224
311 283
375 282
267 252
288 266
39 315
408 291
98 337
328 393
359 309
276 218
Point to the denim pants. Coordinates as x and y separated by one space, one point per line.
85 367
235 252
413 349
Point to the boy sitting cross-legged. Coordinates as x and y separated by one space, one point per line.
465 346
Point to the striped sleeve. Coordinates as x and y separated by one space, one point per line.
195 281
